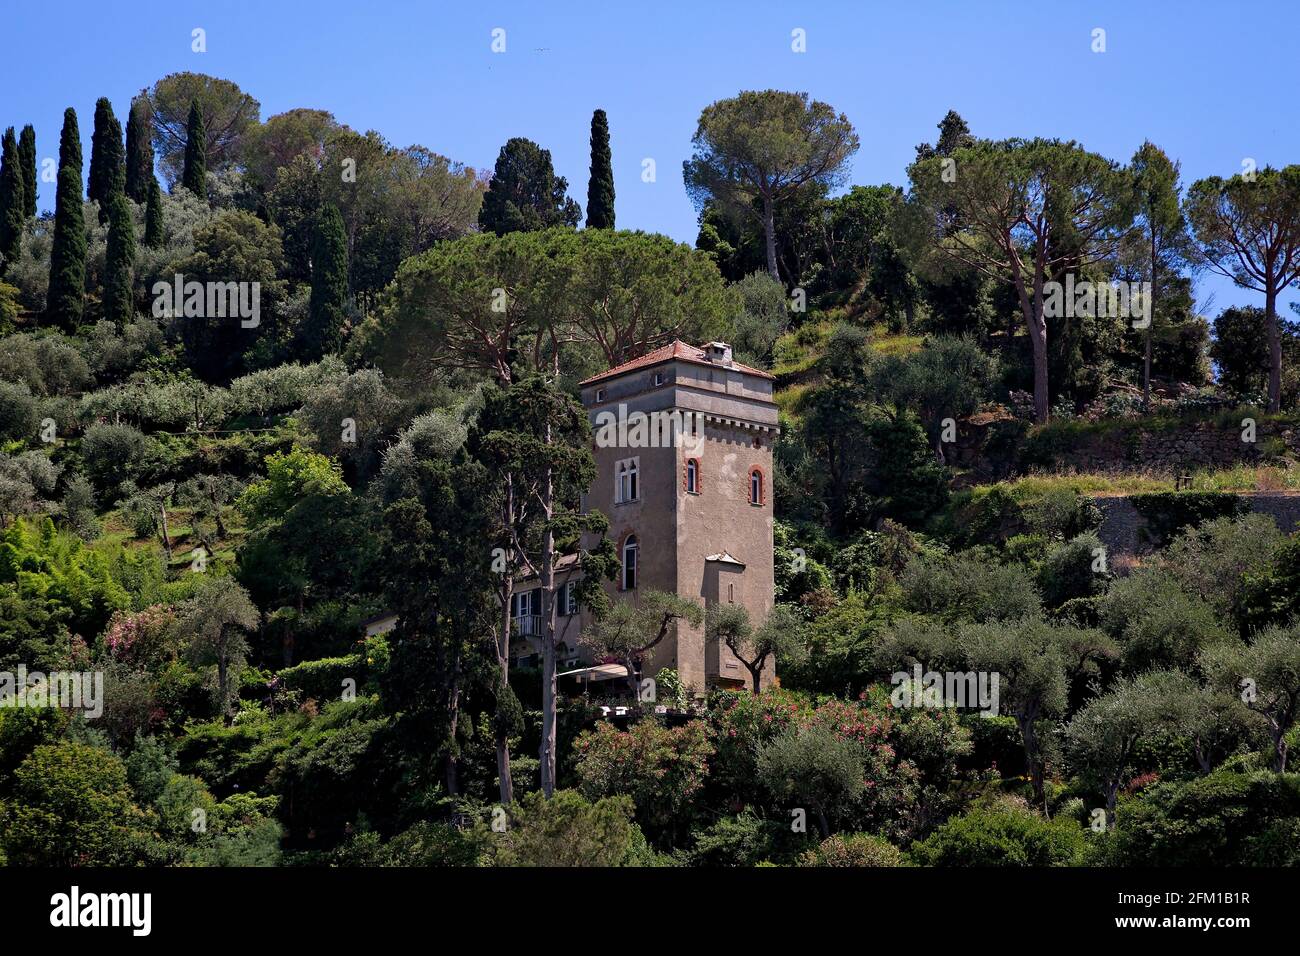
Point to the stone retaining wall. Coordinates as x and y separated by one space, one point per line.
1122 523
1124 449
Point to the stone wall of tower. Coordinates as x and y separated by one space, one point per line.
676 530
721 519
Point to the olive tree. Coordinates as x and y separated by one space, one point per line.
630 631
1266 675
780 636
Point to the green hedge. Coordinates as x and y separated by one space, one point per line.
322 679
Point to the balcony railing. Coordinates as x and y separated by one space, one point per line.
528 625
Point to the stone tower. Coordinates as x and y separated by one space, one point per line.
683 448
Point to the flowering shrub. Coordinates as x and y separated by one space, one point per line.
853 850
661 768
141 637
907 755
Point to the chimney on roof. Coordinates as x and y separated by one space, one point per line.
719 352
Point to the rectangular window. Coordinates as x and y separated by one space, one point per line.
568 599
659 378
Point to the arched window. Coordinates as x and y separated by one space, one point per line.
693 476
627 480
755 487
629 562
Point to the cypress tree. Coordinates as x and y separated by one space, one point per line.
195 173
600 188
329 285
119 259
153 217
68 250
27 166
107 160
70 143
139 151
12 199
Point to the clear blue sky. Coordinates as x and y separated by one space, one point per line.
1209 83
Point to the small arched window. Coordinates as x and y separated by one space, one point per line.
630 550
627 481
755 487
693 476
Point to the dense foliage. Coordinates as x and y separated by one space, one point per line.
281 516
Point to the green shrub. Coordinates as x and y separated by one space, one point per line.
72 807
1223 819
972 585
742 840
19 420
323 679
1157 623
116 454
565 830
1003 836
1071 572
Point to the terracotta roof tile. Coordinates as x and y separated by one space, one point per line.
676 350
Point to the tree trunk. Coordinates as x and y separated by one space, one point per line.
452 769
1202 755
288 641
823 825
632 683
769 236
1042 404
548 630
1274 350
1033 758
503 772
223 686
1279 751
1151 321
167 541
1146 373
549 684
504 781
1031 307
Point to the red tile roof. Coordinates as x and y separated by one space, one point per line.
676 350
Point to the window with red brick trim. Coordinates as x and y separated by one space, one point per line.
630 554
756 490
691 478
